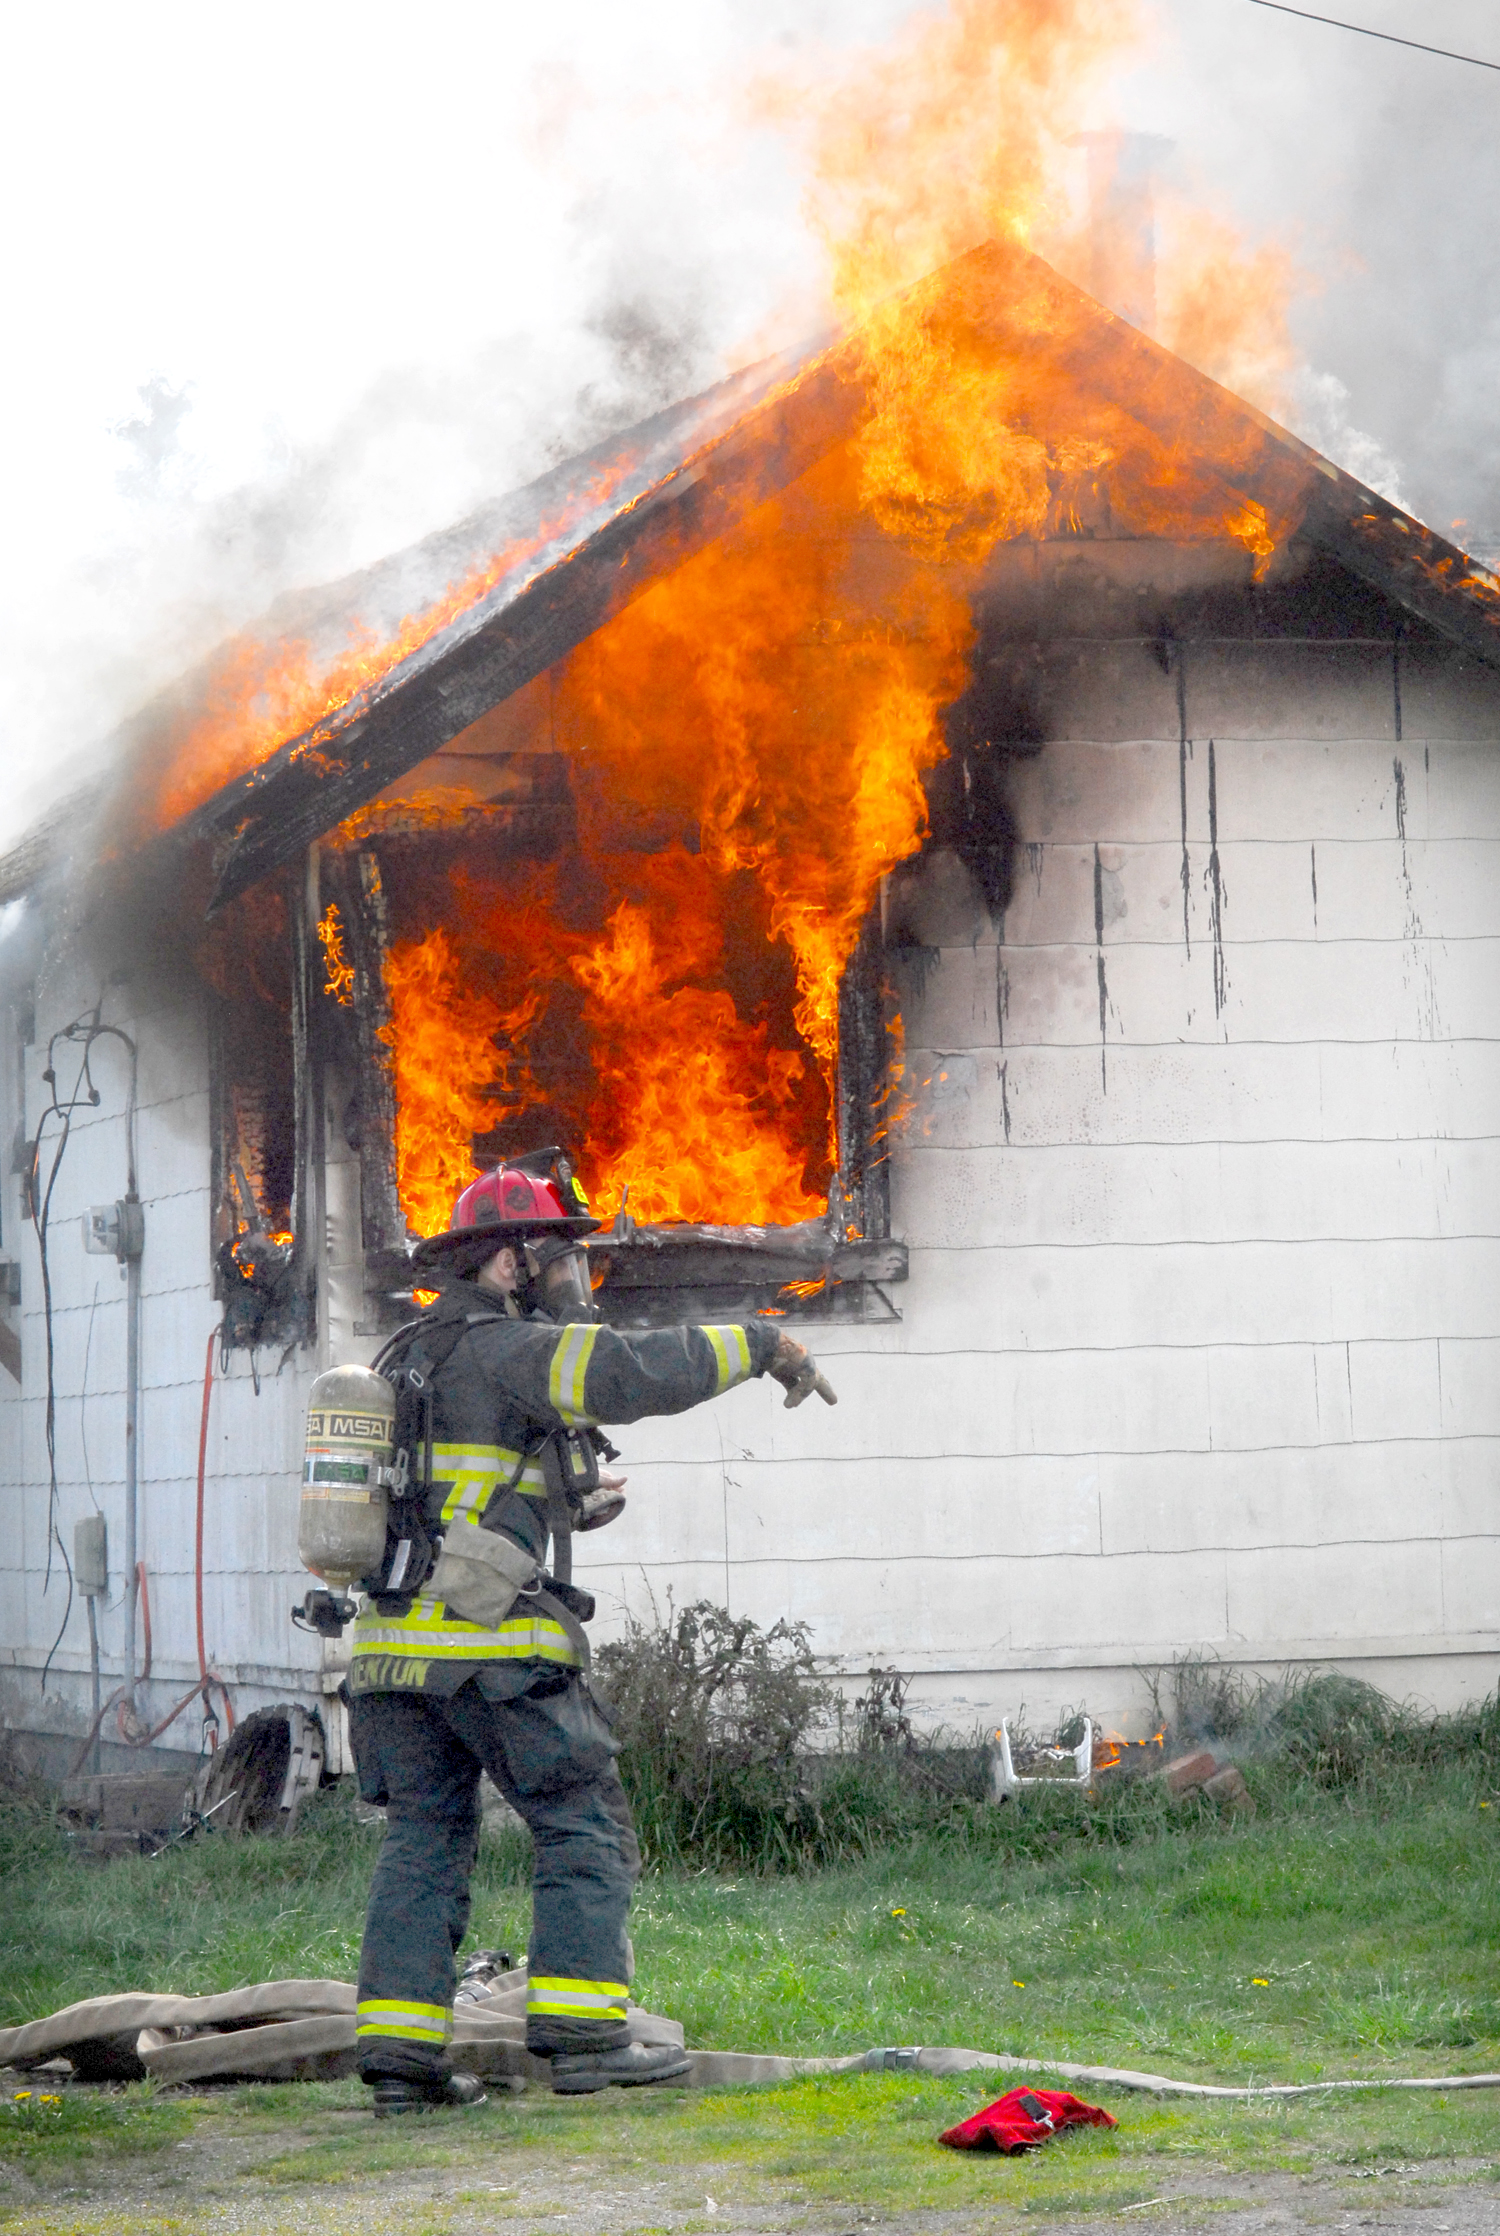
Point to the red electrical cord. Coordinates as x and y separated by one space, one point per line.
145 1596
206 1676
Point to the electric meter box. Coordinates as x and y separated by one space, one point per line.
115 1230
91 1556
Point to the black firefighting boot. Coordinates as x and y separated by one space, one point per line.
632 2065
394 2096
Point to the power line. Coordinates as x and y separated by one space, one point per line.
1365 32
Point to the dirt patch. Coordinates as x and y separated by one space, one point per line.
337 2170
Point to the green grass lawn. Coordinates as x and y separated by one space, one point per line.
1335 1934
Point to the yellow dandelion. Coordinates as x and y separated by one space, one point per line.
1260 1983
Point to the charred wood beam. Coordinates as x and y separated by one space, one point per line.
301 916
1396 555
860 1301
220 1209
523 628
767 1259
863 1086
675 1262
357 887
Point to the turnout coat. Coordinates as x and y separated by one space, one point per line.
505 1385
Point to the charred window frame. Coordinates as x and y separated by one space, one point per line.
260 1127
278 1070
827 1269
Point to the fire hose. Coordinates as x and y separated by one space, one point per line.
294 2030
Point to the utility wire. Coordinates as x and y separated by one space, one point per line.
1389 37
84 1030
83 1402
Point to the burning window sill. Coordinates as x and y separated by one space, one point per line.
797 1270
661 1276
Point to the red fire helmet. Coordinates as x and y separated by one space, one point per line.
532 1195
512 1197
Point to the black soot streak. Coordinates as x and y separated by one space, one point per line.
1184 749
1215 887
1396 680
1001 1071
1099 950
1315 887
1400 776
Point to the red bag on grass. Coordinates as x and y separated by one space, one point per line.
1024 2117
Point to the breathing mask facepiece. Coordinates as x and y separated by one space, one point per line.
557 1279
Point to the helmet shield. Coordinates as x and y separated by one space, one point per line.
559 1279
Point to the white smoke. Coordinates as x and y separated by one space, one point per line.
301 286
1321 417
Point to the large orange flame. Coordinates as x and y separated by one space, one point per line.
441 1037
747 744
747 741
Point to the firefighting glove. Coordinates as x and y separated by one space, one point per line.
795 1368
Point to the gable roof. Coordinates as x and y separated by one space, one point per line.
526 580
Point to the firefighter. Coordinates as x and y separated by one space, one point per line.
519 1372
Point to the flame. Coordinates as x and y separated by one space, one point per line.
1224 304
338 978
1111 1749
439 1034
748 739
956 132
964 128
261 696
428 808
953 133
747 743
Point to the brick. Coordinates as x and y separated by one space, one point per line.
1228 1788
1187 1771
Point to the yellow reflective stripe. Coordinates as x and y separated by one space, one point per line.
476 1470
469 1496
570 1366
410 2022
732 1350
576 1999
444 1637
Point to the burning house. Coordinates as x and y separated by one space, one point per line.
979 843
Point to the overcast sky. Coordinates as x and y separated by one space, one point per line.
287 287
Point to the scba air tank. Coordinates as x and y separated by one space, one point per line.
351 1426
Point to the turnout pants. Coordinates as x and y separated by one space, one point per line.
551 1754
